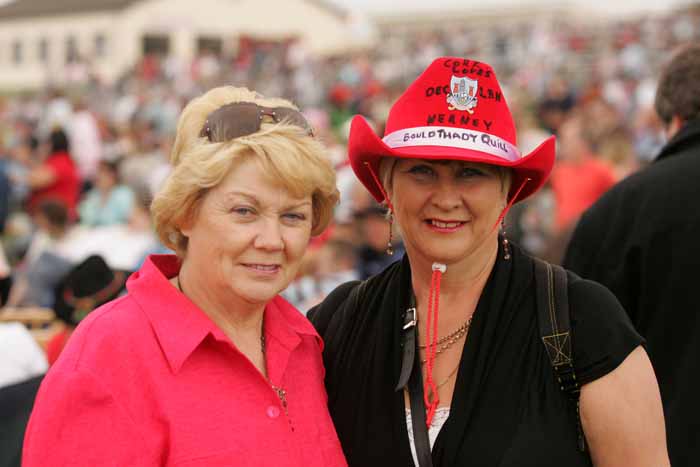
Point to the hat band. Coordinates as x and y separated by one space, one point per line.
453 138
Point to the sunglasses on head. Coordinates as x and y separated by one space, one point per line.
232 121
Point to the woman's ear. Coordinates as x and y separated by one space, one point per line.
185 226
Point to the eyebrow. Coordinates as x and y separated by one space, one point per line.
250 197
233 194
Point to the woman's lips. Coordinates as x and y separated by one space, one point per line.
444 226
266 269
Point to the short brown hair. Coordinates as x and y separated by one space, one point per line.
677 93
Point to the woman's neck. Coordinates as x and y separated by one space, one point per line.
462 282
241 321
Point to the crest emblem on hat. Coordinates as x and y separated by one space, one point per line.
462 94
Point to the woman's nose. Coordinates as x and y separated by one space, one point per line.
270 236
446 197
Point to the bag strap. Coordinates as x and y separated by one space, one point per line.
412 379
420 428
554 319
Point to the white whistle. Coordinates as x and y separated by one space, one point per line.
439 267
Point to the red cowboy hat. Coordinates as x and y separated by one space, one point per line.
454 110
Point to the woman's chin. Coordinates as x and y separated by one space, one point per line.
256 292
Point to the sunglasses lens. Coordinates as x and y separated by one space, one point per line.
292 117
243 118
233 121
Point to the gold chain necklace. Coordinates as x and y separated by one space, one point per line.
449 340
281 393
459 331
444 382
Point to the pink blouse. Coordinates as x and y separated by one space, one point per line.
148 379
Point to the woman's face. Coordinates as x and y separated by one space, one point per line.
446 210
105 178
249 236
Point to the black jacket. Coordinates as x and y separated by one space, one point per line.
641 241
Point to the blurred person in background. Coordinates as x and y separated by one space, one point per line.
56 177
5 187
144 167
439 360
555 105
202 363
640 240
5 276
108 202
333 264
85 287
529 223
373 226
579 176
17 164
22 357
46 259
85 141
649 135
617 149
56 112
22 368
373 254
123 246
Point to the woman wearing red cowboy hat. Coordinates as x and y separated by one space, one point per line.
464 352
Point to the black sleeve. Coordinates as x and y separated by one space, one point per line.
322 314
602 333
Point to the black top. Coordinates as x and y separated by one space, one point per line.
641 240
506 409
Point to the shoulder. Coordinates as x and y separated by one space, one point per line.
648 189
587 292
602 332
115 332
340 305
620 216
321 314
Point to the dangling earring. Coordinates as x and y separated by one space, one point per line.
506 246
389 246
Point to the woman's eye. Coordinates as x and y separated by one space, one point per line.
295 216
421 170
243 211
467 172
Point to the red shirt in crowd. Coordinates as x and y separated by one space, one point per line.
577 185
149 380
66 186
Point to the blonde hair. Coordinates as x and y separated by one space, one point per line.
290 157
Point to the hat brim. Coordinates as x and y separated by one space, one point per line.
365 149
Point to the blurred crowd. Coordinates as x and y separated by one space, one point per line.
79 165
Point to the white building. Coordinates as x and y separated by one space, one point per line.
47 41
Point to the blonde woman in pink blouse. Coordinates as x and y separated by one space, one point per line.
202 363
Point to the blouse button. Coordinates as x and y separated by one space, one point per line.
273 411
